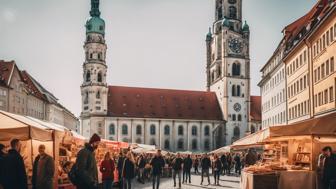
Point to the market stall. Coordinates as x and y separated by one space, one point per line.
290 153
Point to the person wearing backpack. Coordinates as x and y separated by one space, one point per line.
85 168
107 169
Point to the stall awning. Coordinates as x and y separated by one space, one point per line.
20 127
222 150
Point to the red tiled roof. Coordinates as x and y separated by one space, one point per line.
162 103
6 68
30 86
255 111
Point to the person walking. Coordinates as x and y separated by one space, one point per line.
120 164
107 168
187 165
205 164
196 164
237 161
128 170
86 165
224 163
141 163
2 165
329 168
177 167
157 164
43 170
217 169
229 164
15 176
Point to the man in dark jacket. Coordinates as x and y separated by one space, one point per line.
177 167
43 170
205 164
2 165
87 166
157 164
120 165
224 163
15 177
187 165
329 168
250 158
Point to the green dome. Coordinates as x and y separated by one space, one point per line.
246 27
95 25
209 35
226 22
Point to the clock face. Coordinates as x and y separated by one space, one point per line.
235 45
237 107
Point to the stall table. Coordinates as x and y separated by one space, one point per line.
268 180
293 179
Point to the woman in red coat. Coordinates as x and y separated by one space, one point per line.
107 169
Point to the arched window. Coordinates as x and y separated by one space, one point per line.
124 129
180 130
112 129
206 145
138 141
167 130
234 118
167 144
88 76
238 90
220 13
207 130
236 69
180 144
253 130
194 131
234 90
99 77
152 130
86 97
232 12
98 95
138 130
239 117
236 132
153 142
194 144
125 139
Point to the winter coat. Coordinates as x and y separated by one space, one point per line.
45 179
205 163
128 169
329 168
87 167
2 168
15 176
217 165
187 163
107 169
177 164
157 164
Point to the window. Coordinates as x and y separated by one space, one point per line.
124 129
88 76
236 69
234 90
98 95
180 144
167 144
233 12
206 145
99 77
152 142
236 132
86 97
138 130
112 129
239 117
234 118
207 130
138 141
326 96
152 130
238 90
194 131
331 94
180 130
167 130
194 144
332 64
322 71
253 130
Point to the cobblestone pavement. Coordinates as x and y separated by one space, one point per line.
167 183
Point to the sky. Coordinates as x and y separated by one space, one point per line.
151 43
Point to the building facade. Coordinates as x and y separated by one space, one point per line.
21 94
308 50
228 66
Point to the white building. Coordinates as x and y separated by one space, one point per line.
273 90
174 120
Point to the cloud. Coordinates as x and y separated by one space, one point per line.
9 15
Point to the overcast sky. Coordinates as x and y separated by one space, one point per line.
151 43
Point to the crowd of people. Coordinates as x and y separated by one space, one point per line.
130 166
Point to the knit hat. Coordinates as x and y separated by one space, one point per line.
94 138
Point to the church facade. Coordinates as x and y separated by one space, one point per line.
173 120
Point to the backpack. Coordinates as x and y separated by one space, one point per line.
73 176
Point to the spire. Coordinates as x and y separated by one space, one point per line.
209 35
95 8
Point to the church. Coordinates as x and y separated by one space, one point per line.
175 120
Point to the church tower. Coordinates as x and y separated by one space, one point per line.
94 88
228 66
